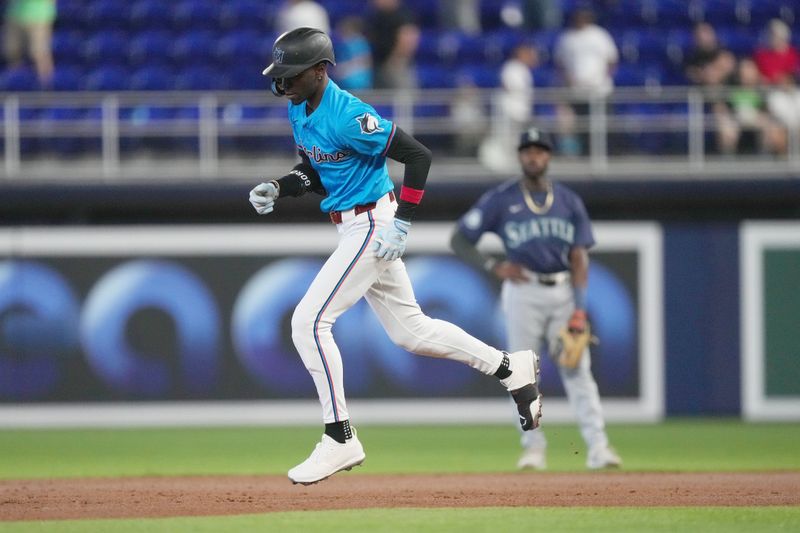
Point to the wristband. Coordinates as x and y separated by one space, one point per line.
579 296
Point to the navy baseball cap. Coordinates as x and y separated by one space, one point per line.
535 137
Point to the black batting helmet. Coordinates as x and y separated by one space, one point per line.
298 50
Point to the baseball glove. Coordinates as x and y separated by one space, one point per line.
573 340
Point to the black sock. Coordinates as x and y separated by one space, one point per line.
339 431
503 372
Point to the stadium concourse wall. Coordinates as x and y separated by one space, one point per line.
146 304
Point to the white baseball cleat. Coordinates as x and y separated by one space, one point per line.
523 386
602 457
328 458
532 458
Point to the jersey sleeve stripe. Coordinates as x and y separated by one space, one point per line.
389 141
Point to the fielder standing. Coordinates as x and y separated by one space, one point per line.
546 234
343 144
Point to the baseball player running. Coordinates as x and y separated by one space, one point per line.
546 233
343 144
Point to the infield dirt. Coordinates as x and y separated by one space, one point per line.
76 498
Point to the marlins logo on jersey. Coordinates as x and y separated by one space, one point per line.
369 124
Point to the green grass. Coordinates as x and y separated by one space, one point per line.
489 520
680 445
677 445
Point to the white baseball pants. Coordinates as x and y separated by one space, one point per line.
534 315
353 271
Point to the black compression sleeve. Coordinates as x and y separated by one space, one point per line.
417 160
301 179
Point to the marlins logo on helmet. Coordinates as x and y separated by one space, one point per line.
369 124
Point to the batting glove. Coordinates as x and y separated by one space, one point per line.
263 197
391 240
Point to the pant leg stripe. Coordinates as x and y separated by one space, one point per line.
325 306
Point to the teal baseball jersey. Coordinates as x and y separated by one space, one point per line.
346 141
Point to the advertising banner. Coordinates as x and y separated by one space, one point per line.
168 318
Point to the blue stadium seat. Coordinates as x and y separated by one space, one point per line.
634 75
242 77
66 46
435 45
149 47
65 146
199 77
67 78
643 46
245 14
677 14
434 76
106 78
481 75
150 15
195 15
722 12
18 80
194 47
471 49
760 12
499 44
107 14
71 15
152 78
546 76
105 47
239 47
740 40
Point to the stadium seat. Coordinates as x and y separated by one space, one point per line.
239 47
194 47
107 14
105 47
18 80
481 75
66 46
739 40
723 12
67 78
195 15
434 76
546 76
106 78
152 78
150 15
199 77
245 14
149 47
71 15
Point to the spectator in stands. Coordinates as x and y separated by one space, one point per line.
586 55
744 124
302 13
779 65
468 116
394 37
516 97
461 15
29 30
514 106
353 70
707 63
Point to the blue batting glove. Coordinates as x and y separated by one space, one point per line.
390 242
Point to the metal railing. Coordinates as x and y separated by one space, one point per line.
636 132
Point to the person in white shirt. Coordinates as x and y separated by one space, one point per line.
295 14
586 55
